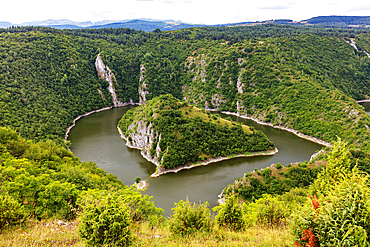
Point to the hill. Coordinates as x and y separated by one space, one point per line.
146 25
287 79
175 135
339 20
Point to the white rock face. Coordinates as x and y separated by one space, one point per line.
352 42
239 84
142 137
106 74
143 90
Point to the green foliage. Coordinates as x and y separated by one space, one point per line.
140 206
45 179
290 82
42 197
338 167
57 199
137 179
231 214
105 219
340 215
252 187
267 211
286 74
11 211
189 218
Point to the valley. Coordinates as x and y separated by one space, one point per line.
293 88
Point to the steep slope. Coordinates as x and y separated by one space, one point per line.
306 83
46 81
175 135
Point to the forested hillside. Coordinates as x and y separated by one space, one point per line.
301 78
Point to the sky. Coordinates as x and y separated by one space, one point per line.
188 11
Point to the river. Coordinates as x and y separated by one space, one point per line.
367 107
95 138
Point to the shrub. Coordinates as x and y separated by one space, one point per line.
11 211
267 211
278 166
231 214
140 206
340 215
57 199
189 218
105 219
137 180
342 218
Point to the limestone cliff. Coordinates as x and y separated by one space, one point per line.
106 74
143 91
141 135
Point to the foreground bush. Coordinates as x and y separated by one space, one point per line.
141 207
267 211
231 214
188 218
105 220
339 216
11 212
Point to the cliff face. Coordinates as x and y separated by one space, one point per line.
106 74
143 91
142 136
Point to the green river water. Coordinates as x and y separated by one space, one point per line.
95 138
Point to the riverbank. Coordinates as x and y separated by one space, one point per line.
161 171
296 132
91 112
363 101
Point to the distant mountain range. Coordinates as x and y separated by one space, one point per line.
149 25
139 24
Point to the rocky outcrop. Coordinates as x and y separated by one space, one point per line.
352 42
142 136
239 84
106 74
143 90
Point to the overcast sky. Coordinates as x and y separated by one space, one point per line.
188 11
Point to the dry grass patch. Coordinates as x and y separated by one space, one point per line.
44 233
49 233
254 236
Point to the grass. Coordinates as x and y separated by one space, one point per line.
44 233
49 233
254 236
